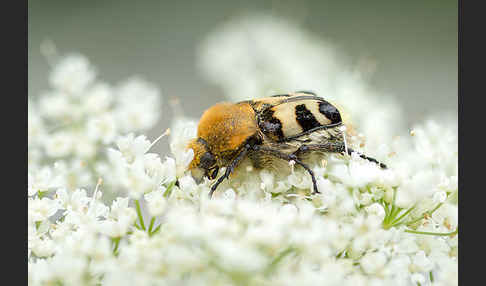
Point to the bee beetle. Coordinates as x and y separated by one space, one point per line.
283 127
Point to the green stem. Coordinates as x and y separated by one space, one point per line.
139 213
156 230
427 212
151 225
116 241
169 189
434 209
41 194
433 233
402 216
393 203
271 267
416 220
385 206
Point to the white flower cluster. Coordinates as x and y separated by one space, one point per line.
72 123
368 226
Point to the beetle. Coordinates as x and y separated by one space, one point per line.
283 127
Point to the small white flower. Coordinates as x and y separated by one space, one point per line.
156 202
72 74
187 158
232 256
133 147
373 262
41 180
267 178
447 215
61 231
119 207
416 188
98 99
59 144
421 263
119 220
376 209
440 197
187 184
75 201
137 181
41 209
449 184
229 194
84 147
365 198
56 105
407 245
138 105
168 170
288 211
102 127
417 279
182 130
43 247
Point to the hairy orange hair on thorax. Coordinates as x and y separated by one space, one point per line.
225 126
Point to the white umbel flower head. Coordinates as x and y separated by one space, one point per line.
72 74
150 223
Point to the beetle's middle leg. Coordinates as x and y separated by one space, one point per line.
287 157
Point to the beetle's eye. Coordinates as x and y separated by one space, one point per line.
207 160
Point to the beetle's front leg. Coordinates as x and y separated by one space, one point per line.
229 169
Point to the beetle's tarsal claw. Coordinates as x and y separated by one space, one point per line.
213 188
211 192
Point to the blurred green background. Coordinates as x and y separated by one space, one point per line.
414 44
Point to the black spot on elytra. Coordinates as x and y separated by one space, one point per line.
270 125
330 111
305 118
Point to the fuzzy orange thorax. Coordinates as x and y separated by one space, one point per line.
225 127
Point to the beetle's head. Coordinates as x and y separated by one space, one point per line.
204 162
